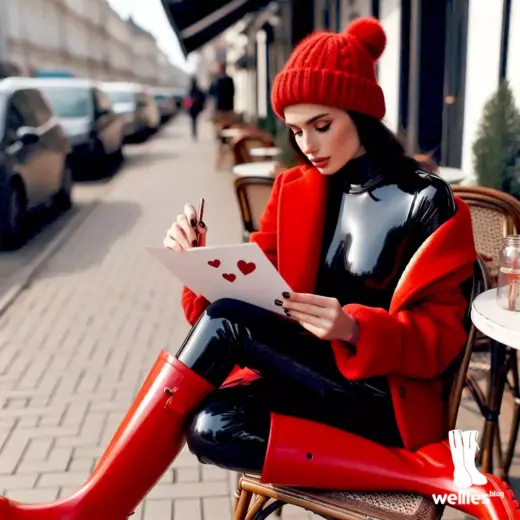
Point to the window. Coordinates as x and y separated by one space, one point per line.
121 96
69 102
326 14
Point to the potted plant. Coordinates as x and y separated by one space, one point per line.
497 147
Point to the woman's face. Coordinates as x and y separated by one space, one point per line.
327 136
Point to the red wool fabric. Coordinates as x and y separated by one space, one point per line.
334 69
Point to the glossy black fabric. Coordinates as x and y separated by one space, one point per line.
299 378
373 226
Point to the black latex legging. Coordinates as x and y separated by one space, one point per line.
299 377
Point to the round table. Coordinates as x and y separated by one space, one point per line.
451 175
256 169
230 133
495 321
503 326
270 151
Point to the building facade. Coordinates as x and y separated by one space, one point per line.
444 59
83 38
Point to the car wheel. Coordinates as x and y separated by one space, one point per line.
63 199
100 161
117 158
12 216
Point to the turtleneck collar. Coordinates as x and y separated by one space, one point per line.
358 175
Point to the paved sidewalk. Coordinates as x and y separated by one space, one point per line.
77 343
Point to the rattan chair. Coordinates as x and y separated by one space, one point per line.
243 145
252 194
350 505
494 214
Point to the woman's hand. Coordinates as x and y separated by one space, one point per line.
186 232
321 315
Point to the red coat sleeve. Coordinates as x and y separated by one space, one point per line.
193 304
417 342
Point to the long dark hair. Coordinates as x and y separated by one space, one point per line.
380 143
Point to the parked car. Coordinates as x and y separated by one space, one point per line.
95 130
33 159
137 106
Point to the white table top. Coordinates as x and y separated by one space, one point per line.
230 132
255 169
265 152
451 175
494 321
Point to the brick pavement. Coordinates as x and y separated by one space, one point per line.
77 343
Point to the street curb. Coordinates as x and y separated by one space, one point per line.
26 275
23 278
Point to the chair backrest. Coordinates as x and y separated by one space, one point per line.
480 283
252 194
494 214
244 143
223 120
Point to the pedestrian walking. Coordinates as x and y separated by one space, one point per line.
195 103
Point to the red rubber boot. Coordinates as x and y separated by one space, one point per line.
146 443
303 453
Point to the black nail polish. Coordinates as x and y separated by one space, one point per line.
193 223
287 313
194 243
278 302
201 224
286 295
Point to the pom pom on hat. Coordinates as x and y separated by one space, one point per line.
371 33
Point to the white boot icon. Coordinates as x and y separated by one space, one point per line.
461 477
470 447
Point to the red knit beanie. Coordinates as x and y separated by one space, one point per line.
335 70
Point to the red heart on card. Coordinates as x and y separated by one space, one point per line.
214 263
229 277
246 267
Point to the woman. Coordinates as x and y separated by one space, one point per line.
348 392
351 345
195 105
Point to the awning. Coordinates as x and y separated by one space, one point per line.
196 22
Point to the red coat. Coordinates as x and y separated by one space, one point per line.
416 339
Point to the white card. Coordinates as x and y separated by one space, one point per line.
240 271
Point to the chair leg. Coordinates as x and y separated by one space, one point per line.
481 401
477 394
515 423
270 509
256 507
497 378
498 448
242 505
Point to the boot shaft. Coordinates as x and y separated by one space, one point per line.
144 446
302 453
